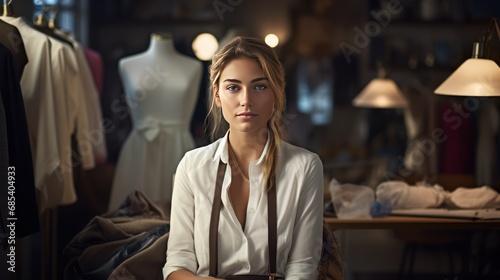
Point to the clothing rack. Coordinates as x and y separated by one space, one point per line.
42 250
49 250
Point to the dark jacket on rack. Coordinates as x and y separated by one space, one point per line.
19 152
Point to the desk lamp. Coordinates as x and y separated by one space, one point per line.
477 76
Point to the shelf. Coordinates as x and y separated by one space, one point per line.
142 23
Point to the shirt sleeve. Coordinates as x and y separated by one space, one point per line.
308 230
180 249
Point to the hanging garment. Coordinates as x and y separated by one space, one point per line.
55 106
12 40
95 135
38 95
71 117
4 164
96 67
17 157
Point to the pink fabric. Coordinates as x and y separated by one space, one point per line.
96 67
457 152
94 60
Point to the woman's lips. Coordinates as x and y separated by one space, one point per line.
246 115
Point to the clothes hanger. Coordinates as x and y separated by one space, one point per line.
7 9
42 24
52 23
52 19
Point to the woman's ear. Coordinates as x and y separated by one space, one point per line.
215 90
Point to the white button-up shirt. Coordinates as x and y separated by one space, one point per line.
245 251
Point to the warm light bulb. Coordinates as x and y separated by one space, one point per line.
204 46
272 40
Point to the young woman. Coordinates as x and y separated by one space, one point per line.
247 103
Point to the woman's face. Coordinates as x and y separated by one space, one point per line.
245 96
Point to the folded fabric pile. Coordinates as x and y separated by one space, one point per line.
403 196
473 198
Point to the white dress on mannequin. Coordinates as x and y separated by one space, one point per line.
161 88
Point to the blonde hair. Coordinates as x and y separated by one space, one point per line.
256 50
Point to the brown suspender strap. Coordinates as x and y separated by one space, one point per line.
214 220
214 224
271 229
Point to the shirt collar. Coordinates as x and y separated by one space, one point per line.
222 151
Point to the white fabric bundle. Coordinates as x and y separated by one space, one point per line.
473 198
351 201
403 196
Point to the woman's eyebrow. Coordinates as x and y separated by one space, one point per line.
259 79
232 81
238 81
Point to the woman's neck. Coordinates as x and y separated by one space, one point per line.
247 146
162 43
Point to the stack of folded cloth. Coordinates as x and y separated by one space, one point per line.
473 198
403 196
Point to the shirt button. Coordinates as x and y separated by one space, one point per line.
246 266
251 210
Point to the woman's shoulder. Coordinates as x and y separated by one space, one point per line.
296 150
203 153
293 153
299 162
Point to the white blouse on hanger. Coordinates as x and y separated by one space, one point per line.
56 108
95 136
38 95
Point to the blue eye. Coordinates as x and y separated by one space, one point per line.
260 87
232 88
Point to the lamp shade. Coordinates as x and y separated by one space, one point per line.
475 77
381 93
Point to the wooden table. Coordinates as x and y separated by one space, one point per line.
400 222
430 231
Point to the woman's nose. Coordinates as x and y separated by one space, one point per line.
245 97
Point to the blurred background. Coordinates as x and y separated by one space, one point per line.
331 50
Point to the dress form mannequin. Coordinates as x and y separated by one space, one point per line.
161 88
